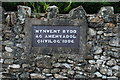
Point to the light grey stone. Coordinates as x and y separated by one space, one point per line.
90 68
52 11
19 45
99 61
103 70
111 62
56 65
55 70
8 61
91 61
25 65
46 71
1 38
16 66
59 76
18 29
70 61
8 49
115 54
106 13
116 67
117 74
98 74
1 61
66 65
48 75
98 50
24 75
104 77
36 76
96 56
71 72
78 12
114 42
77 68
23 12
110 72
104 58
91 32
99 32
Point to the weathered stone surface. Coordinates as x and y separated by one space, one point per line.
11 18
7 55
2 18
106 13
46 71
18 29
99 32
91 32
36 76
71 72
23 11
55 70
117 18
110 72
111 62
78 12
65 65
8 49
109 25
114 42
8 61
116 67
16 66
117 74
103 70
52 12
91 61
44 63
98 50
90 68
56 65
95 22
59 76
98 74
25 75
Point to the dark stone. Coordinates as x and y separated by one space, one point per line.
78 12
2 17
107 13
23 12
25 75
115 42
90 68
117 18
44 63
52 12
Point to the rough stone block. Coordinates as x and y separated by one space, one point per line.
23 12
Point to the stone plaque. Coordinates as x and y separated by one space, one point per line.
67 34
55 36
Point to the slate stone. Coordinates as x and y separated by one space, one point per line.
52 11
107 13
23 12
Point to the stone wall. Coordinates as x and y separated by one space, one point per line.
100 62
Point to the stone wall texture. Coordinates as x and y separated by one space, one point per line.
102 54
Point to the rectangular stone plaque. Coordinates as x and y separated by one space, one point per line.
57 29
55 36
